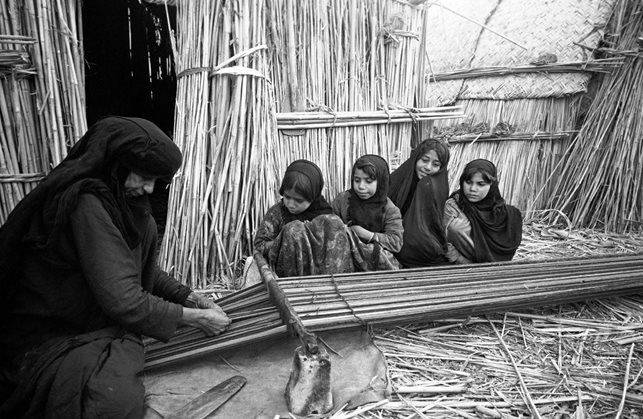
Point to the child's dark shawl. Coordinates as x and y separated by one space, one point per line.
319 205
369 213
496 227
421 203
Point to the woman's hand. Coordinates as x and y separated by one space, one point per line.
212 320
195 300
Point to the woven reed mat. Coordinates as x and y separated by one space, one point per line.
358 376
540 27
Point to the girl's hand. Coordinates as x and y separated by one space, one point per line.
362 233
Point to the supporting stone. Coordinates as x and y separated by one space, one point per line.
308 390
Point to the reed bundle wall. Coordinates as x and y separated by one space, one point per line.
42 95
239 64
330 57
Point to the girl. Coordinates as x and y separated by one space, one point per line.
419 187
479 226
300 235
372 218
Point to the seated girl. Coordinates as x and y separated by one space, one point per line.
300 235
419 187
375 223
480 226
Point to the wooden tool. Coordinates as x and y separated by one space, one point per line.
211 400
308 390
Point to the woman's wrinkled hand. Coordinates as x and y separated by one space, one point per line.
208 317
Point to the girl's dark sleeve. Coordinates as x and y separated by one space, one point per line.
392 237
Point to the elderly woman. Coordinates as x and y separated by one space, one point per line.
479 225
81 283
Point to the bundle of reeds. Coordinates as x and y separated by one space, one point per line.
329 302
601 181
42 100
310 120
332 302
224 125
600 65
253 317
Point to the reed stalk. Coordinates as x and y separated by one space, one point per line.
42 98
601 181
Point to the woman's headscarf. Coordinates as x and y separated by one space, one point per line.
98 163
318 205
496 227
369 213
421 203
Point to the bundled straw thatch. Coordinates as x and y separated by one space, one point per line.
601 182
42 97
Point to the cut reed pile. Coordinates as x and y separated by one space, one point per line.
601 181
42 95
574 361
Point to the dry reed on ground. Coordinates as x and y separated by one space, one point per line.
601 182
42 101
570 361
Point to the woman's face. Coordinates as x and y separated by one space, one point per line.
294 202
363 185
137 185
476 188
428 164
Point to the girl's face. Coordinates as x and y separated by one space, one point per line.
476 188
363 185
294 202
428 164
137 185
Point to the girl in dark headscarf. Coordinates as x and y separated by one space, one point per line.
371 215
80 279
419 187
480 226
300 235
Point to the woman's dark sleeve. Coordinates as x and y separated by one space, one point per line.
113 273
